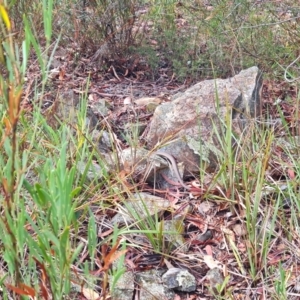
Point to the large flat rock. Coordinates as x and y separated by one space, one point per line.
186 127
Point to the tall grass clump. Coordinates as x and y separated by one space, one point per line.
102 29
265 205
192 36
43 196
35 225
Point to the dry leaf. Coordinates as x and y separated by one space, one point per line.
291 173
147 100
109 257
127 101
91 97
168 264
210 262
22 289
239 229
89 294
62 74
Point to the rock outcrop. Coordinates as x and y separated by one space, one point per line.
192 125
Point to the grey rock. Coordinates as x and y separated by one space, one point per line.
215 278
101 107
123 287
107 161
140 206
143 165
134 130
151 286
148 167
65 109
204 237
103 140
186 125
173 233
135 158
180 280
94 171
62 109
149 102
91 119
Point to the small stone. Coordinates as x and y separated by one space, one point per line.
215 277
205 236
239 229
147 100
151 287
94 172
124 287
180 280
102 107
206 207
173 233
140 205
135 129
